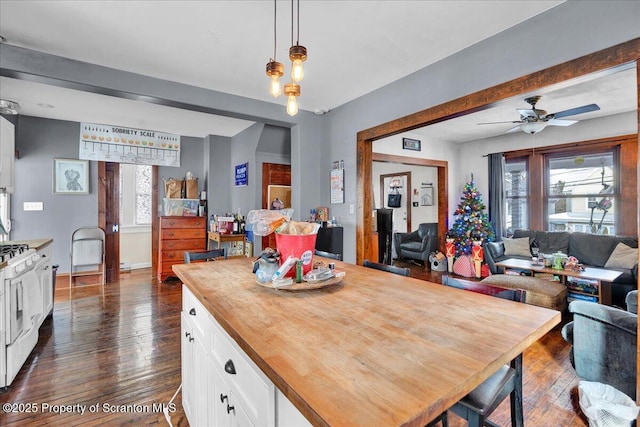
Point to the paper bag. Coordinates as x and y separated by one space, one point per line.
173 188
192 188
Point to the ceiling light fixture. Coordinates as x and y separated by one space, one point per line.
8 107
292 91
275 69
297 53
533 127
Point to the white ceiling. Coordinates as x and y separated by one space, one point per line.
354 48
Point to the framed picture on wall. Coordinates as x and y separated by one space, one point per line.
411 144
70 176
426 196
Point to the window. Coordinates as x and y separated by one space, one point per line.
581 192
135 195
575 189
516 188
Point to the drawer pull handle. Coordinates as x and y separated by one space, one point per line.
192 311
191 339
230 408
187 334
229 368
171 234
223 397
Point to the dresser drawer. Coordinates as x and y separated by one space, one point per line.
183 222
185 233
183 245
249 384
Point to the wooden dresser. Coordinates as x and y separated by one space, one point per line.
179 234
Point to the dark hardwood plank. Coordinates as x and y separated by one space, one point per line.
123 348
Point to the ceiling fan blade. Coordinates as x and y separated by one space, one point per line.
556 122
515 129
527 112
574 111
497 123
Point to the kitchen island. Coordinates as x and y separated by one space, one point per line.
375 349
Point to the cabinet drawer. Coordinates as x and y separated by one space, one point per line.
197 314
182 222
173 257
186 233
252 388
183 245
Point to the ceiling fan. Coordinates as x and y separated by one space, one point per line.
533 120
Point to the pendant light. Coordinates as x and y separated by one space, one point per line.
292 91
275 69
297 53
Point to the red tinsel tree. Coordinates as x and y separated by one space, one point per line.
471 222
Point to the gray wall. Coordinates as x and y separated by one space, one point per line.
561 34
39 141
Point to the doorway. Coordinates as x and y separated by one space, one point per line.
395 193
273 174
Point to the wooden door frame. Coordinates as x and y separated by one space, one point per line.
408 192
621 54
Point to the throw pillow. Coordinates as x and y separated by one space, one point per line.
517 247
622 256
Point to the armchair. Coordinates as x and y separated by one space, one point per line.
604 345
418 244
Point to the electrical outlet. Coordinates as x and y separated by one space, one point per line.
33 206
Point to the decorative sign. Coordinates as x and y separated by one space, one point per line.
411 144
242 176
337 186
126 145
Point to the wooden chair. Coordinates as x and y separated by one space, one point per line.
209 255
337 257
389 268
476 406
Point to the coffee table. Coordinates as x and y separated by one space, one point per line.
601 276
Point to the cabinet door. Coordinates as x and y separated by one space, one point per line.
239 417
219 398
200 385
186 352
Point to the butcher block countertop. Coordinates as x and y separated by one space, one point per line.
376 349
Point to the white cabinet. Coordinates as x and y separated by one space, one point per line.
221 385
7 155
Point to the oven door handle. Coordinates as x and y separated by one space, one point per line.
19 296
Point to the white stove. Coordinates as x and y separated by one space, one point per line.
22 308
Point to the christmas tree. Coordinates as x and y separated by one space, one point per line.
471 222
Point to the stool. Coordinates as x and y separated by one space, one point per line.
540 292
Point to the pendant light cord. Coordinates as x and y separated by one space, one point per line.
275 14
298 23
291 22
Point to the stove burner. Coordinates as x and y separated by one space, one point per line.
9 251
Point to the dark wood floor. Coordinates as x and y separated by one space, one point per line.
123 348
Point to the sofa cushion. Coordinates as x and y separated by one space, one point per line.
517 247
622 257
591 249
548 241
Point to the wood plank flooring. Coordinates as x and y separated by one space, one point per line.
122 347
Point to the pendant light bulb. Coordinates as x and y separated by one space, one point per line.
292 91
275 88
275 70
297 72
292 105
297 54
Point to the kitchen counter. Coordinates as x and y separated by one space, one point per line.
376 349
36 244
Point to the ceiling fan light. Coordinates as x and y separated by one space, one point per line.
533 127
9 107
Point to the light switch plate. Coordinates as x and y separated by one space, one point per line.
33 206
352 208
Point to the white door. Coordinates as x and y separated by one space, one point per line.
393 185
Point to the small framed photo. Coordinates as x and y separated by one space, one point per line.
411 144
70 176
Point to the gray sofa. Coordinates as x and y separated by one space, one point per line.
603 345
590 249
